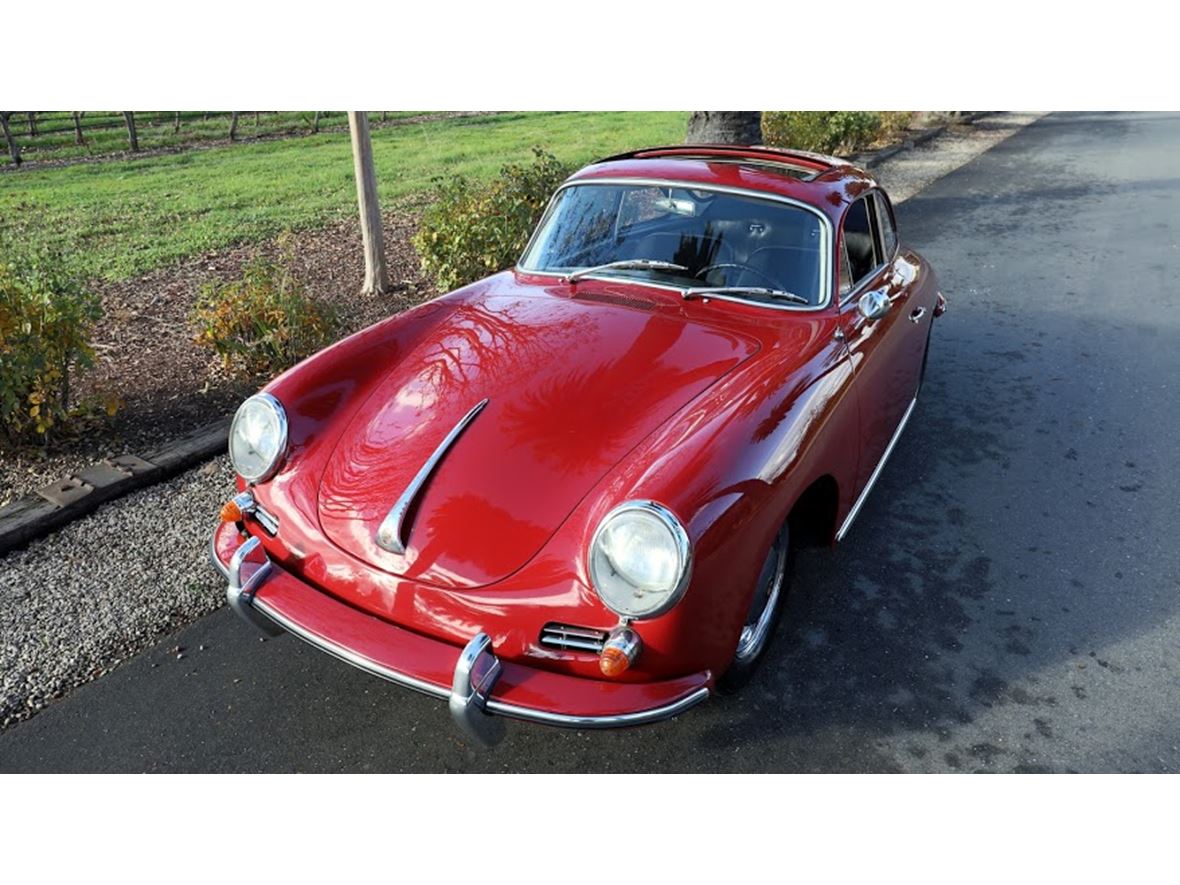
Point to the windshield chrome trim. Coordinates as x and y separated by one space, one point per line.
825 250
393 531
737 299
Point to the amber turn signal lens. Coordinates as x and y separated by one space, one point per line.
231 512
620 651
613 662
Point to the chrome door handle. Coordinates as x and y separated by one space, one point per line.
917 314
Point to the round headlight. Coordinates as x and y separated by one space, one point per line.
258 438
640 560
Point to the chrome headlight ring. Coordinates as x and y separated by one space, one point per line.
649 571
255 464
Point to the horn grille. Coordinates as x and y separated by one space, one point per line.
573 638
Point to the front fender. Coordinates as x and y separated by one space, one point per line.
732 465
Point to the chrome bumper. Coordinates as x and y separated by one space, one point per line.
476 670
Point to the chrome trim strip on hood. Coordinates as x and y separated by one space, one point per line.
392 535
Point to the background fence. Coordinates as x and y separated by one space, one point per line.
52 135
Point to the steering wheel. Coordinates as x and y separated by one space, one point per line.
744 267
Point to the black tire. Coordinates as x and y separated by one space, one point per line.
762 620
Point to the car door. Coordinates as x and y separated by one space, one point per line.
881 349
909 299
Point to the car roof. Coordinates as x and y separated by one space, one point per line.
828 183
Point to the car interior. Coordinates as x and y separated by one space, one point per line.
727 245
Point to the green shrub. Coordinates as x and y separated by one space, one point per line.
828 132
263 322
893 123
472 231
46 320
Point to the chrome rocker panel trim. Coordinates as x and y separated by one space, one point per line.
476 669
876 472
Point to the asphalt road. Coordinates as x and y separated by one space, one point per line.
1009 599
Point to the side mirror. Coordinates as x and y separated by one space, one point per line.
874 305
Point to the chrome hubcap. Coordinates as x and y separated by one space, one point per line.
770 586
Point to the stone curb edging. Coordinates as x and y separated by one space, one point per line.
54 505
871 159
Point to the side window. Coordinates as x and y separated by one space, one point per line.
886 224
845 271
860 255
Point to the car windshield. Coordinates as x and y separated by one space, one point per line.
763 249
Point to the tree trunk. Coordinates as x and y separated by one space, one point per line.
256 119
129 116
376 276
315 123
78 139
724 127
383 113
13 150
176 123
233 125
32 124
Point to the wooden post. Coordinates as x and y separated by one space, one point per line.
315 123
78 139
13 150
176 123
376 276
32 124
233 125
129 116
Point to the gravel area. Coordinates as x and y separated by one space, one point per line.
904 174
77 603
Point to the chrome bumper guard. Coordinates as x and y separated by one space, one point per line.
476 673
474 710
241 596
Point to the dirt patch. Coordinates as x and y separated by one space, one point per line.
169 385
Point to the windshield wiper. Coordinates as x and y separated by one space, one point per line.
626 264
706 291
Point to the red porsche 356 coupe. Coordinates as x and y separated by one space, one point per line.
569 493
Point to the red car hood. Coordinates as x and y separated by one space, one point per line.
572 385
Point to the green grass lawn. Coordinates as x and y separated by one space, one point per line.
122 218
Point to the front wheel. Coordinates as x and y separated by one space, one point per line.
765 609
